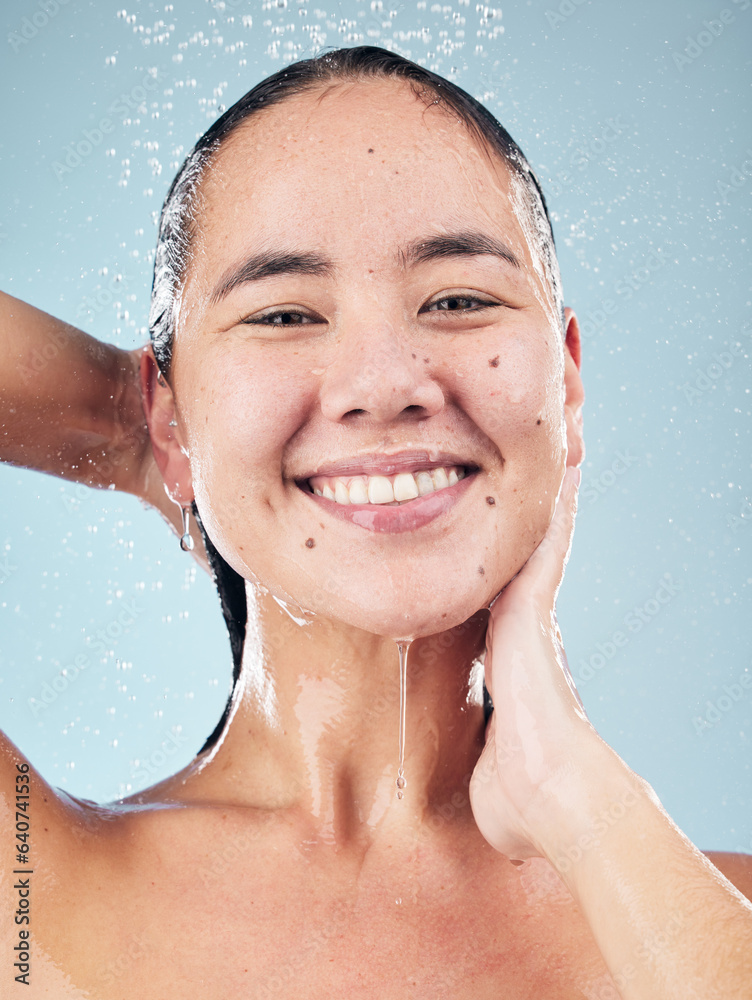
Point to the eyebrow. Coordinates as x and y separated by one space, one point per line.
267 265
463 244
272 263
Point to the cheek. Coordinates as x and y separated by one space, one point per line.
515 398
243 416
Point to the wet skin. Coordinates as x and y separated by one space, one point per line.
282 863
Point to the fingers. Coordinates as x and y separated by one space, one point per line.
545 567
562 524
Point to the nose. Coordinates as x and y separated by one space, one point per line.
378 373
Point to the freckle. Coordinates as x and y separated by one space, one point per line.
414 356
443 616
537 421
481 571
490 501
494 362
426 360
309 543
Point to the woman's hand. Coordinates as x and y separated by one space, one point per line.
547 785
539 730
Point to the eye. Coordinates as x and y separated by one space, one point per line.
281 317
460 304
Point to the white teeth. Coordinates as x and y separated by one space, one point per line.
358 491
405 487
440 479
340 492
424 483
380 490
397 489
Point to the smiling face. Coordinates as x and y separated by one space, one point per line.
363 310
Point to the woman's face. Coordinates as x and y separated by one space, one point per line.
335 331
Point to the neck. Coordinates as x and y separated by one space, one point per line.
315 723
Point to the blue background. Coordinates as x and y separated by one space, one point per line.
637 119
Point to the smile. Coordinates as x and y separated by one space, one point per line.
385 490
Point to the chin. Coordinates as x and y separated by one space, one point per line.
408 616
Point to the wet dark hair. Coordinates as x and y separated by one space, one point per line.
181 208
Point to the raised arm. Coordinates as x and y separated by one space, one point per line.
71 406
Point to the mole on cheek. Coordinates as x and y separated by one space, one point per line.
481 571
370 150
310 543
490 501
538 421
494 362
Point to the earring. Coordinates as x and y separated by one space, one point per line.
186 542
173 423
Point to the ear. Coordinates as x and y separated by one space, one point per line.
575 393
167 442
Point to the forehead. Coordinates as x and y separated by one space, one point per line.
361 164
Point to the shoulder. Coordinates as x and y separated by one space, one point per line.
47 829
28 805
737 868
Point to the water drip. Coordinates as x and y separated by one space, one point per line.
403 646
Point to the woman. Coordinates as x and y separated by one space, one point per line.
364 385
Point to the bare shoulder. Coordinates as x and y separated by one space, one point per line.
30 809
737 868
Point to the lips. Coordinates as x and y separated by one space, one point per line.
366 490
